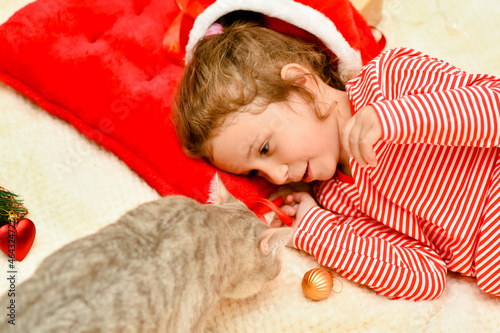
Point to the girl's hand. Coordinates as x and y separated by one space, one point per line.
359 135
296 205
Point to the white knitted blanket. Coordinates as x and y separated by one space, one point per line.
73 187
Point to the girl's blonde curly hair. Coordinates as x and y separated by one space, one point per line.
239 67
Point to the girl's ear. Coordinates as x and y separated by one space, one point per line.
298 73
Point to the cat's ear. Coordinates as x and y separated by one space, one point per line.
218 192
274 238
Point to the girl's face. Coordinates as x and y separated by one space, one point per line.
284 143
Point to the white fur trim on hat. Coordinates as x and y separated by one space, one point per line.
300 15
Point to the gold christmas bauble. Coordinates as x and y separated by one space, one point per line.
317 283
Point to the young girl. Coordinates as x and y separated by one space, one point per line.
405 154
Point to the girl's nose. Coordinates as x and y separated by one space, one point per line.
276 174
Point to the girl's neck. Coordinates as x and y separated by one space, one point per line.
342 113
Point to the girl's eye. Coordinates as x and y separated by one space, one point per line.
265 148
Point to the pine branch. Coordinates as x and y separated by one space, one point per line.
10 205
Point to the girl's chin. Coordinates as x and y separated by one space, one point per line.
325 175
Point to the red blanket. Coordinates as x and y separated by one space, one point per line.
101 65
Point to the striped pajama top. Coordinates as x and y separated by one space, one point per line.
398 227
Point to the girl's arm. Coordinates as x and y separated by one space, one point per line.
368 252
420 99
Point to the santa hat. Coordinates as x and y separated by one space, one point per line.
334 23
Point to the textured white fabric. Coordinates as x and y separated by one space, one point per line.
73 187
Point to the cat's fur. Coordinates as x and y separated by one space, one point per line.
162 267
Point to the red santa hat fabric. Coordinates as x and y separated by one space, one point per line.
101 65
335 23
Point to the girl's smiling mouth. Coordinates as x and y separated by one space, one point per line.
308 176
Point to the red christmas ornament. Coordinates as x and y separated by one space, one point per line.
19 239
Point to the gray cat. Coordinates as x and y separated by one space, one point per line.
162 267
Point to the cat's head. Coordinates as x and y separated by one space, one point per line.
256 244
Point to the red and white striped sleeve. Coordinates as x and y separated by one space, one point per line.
368 252
420 99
